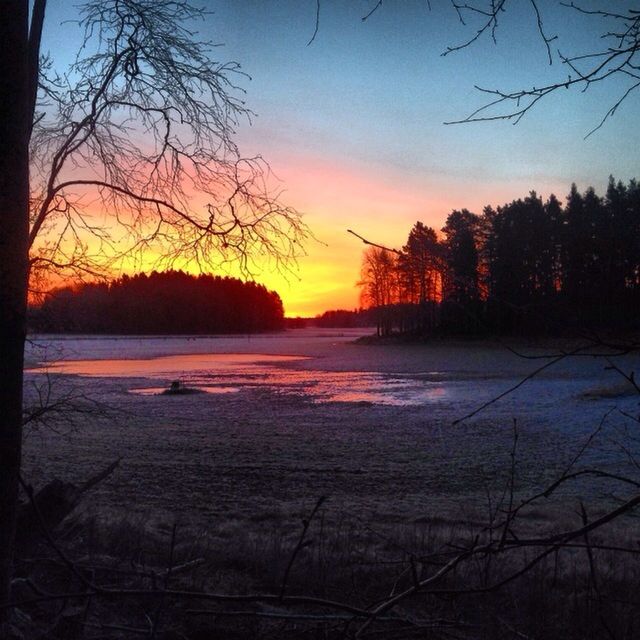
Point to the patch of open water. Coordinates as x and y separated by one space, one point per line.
219 373
295 413
329 368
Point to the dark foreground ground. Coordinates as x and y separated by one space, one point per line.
218 485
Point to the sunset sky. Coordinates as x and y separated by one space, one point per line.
352 124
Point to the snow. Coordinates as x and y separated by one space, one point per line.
311 412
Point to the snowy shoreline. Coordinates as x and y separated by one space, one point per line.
321 425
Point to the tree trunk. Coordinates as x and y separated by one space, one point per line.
15 118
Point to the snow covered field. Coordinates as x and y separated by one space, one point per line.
290 417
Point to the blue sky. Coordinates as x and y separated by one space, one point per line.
353 123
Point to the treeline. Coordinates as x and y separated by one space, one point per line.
170 302
530 266
346 319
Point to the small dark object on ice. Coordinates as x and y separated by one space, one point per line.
178 389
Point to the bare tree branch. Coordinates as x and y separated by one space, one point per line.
617 58
133 150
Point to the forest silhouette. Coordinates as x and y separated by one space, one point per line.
528 267
170 302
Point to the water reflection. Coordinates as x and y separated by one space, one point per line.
327 386
165 365
221 373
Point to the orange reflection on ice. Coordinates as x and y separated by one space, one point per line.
222 373
165 365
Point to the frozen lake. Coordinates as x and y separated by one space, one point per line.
289 417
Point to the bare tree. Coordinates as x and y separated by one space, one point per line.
379 284
131 150
613 56
144 122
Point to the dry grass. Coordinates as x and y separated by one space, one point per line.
237 470
576 593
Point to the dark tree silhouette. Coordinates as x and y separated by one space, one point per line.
602 251
183 192
421 268
16 79
461 290
526 267
379 286
161 303
620 248
345 318
577 249
523 258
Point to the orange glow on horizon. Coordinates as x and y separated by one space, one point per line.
379 204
